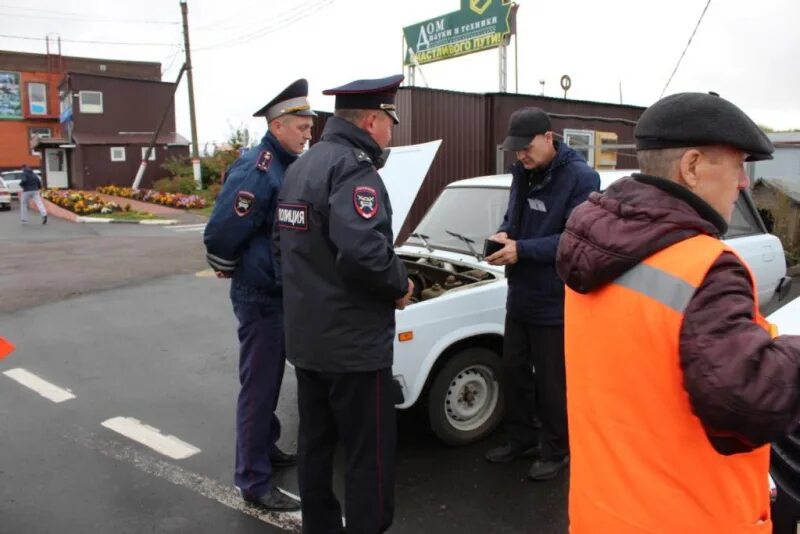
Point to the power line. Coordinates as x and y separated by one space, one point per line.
78 16
87 42
686 48
281 21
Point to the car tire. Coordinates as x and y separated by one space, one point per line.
465 401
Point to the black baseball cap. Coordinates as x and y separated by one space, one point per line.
524 125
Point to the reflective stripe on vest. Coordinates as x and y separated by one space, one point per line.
640 459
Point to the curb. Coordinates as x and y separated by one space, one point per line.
152 222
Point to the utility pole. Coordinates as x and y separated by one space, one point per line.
195 154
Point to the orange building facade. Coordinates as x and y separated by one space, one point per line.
29 106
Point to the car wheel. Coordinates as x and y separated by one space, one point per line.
465 402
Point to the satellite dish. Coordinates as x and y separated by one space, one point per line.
566 83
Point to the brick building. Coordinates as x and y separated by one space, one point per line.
30 103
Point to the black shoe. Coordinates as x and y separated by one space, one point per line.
510 451
274 501
280 459
547 469
44 219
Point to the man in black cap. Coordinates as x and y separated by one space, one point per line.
239 246
676 384
549 180
342 283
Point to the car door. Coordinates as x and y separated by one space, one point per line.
762 251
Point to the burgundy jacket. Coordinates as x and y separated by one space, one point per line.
742 385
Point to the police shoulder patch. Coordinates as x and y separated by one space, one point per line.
293 216
264 160
365 201
244 203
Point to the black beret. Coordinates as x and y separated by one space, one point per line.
700 119
524 125
368 94
292 100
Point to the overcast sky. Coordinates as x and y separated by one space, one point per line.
246 51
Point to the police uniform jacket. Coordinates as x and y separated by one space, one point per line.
335 245
238 236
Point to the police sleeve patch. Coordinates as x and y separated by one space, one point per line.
293 216
244 203
264 160
365 201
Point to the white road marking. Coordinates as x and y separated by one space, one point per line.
189 227
151 437
39 385
200 484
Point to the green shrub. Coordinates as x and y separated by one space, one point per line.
178 184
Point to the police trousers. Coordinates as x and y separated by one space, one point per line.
356 409
535 387
261 365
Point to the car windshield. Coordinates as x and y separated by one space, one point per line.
471 212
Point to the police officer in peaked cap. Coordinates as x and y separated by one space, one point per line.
342 284
239 246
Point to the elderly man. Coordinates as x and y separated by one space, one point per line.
675 382
239 246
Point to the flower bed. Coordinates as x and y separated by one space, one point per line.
82 203
174 200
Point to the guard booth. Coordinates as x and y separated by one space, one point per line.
56 155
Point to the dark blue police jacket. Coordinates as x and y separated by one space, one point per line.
535 218
238 236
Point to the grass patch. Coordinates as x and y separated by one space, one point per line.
206 212
126 216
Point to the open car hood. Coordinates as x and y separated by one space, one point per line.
403 174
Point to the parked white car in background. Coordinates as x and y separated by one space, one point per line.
5 196
449 340
12 179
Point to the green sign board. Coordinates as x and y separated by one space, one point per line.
478 25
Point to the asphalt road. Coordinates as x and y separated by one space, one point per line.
116 318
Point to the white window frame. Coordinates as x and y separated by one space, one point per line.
90 108
152 154
42 102
569 133
31 134
120 153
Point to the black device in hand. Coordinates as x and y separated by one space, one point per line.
490 247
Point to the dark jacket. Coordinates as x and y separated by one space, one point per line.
743 386
29 181
238 236
334 243
535 218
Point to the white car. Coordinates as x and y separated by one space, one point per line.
448 344
5 196
12 179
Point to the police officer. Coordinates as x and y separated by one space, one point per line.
239 246
342 283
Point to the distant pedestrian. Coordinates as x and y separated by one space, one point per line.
30 184
238 239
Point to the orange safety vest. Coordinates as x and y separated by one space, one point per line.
640 459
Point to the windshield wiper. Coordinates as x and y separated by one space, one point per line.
424 239
468 242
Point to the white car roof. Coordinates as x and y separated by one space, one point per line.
504 180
